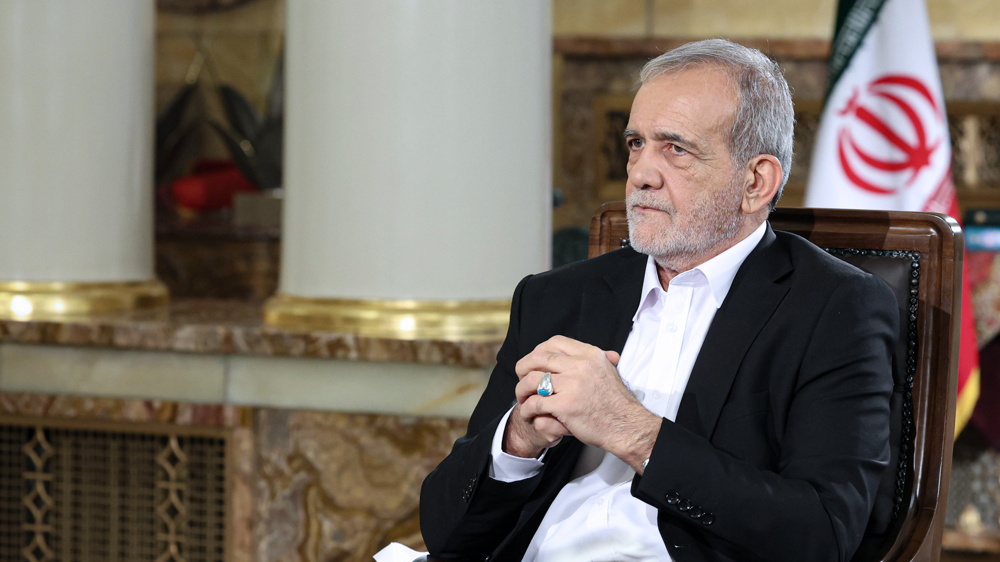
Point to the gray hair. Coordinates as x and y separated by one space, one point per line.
765 118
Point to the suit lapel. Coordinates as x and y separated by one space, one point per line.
607 308
751 301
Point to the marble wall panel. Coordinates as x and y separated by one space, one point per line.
242 459
134 410
339 487
354 386
207 267
90 371
223 327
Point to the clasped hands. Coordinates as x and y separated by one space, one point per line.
590 403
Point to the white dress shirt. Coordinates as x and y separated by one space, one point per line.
595 517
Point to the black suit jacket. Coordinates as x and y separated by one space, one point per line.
782 432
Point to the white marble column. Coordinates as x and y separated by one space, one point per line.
76 149
417 155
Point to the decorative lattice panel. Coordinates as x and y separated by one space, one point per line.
74 494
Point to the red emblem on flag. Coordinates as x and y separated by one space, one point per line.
901 141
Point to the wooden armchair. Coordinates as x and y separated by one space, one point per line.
920 256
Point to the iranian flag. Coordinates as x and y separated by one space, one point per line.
883 138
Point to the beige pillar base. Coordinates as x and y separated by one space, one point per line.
20 300
394 319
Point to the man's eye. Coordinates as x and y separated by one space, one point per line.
634 144
676 149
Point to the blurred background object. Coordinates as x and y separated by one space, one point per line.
197 6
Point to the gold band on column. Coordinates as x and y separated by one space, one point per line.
21 300
394 319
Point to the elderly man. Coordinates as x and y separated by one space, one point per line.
718 391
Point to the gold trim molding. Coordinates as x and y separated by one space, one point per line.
22 300
393 319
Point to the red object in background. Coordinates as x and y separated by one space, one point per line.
206 165
211 187
980 264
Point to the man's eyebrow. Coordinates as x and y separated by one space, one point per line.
664 136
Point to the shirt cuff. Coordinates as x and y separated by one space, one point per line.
508 468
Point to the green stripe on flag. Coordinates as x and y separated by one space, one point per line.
854 19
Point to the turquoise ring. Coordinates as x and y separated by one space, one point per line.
545 385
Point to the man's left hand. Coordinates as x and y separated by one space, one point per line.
589 398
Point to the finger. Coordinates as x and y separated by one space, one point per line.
613 357
532 407
558 404
562 345
545 361
534 361
521 438
528 386
543 353
566 346
549 428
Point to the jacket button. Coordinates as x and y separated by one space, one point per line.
685 505
707 519
695 512
673 498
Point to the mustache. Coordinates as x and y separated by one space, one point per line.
645 199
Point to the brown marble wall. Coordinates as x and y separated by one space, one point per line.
339 487
192 268
89 408
230 327
209 257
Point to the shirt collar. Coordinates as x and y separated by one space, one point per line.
719 272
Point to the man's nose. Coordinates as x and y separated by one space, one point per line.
644 173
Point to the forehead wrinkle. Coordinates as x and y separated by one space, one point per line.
664 135
684 108
662 132
669 136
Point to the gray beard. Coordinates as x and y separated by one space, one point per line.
676 245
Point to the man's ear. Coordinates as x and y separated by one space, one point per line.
763 180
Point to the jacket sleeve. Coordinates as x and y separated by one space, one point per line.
464 513
815 504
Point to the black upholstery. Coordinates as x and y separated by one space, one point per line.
901 271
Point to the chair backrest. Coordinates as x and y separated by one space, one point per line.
920 256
